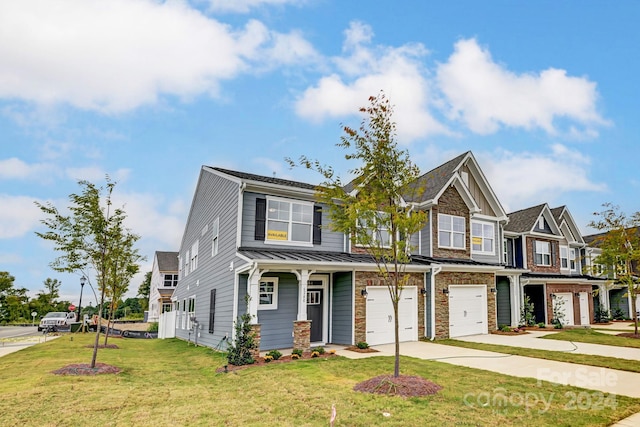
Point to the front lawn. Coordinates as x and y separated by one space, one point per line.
168 382
594 337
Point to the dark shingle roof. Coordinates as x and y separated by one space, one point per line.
456 261
556 212
523 220
265 179
294 255
593 239
428 185
167 261
560 276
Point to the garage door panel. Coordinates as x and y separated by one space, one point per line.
467 310
380 321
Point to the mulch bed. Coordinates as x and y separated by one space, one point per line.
519 332
86 369
361 350
404 386
102 346
261 362
629 335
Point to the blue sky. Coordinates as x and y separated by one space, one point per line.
544 93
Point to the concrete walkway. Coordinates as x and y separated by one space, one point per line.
533 340
8 346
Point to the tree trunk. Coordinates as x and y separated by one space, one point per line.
97 340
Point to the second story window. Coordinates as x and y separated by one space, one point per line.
572 259
289 221
215 231
482 237
564 257
543 253
451 231
376 230
170 280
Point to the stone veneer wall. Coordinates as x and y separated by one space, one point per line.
302 334
372 278
554 288
451 203
444 279
256 329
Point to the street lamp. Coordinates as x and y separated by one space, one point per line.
82 282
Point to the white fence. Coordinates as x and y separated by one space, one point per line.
167 325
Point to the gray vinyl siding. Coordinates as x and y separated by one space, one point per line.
425 238
497 243
342 306
277 325
214 197
331 240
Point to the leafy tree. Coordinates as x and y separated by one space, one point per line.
620 246
92 237
375 214
145 290
6 285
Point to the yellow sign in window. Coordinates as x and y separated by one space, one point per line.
277 235
477 241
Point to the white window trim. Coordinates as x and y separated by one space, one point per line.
215 238
566 249
542 254
193 262
189 313
493 238
376 232
573 257
164 280
451 232
289 242
274 300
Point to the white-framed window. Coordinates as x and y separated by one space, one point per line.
180 270
215 230
170 280
194 256
451 231
543 253
376 228
191 311
505 252
289 221
183 312
572 259
564 257
186 264
268 293
166 307
482 237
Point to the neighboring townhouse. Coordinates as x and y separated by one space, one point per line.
546 245
611 296
164 279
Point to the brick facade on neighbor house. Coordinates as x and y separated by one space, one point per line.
555 253
372 278
555 288
302 334
443 280
451 203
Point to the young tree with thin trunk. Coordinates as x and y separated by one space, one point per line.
372 208
90 238
620 246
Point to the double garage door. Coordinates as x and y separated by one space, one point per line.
467 310
379 317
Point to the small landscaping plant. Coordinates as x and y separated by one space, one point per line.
268 358
239 352
527 317
295 356
297 352
315 354
601 315
319 349
362 345
542 325
274 354
153 327
505 328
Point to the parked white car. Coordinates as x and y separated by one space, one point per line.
57 320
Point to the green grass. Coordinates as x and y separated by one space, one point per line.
593 337
168 382
559 356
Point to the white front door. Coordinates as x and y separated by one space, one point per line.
379 318
467 310
585 318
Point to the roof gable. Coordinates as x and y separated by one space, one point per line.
167 261
565 220
525 221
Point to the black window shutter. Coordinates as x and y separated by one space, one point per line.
317 225
261 218
212 310
553 253
533 248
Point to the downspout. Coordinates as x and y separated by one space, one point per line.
242 187
434 271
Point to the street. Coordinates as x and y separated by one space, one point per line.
17 331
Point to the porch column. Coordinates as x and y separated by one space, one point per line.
516 299
303 279
254 294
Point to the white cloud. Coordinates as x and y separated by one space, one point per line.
18 215
96 174
364 71
244 6
525 179
14 168
114 56
485 95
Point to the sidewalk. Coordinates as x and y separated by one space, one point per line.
12 345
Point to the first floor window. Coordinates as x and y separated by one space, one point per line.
212 310
543 253
451 231
482 237
191 311
268 298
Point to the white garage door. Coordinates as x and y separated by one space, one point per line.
380 315
467 310
563 303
